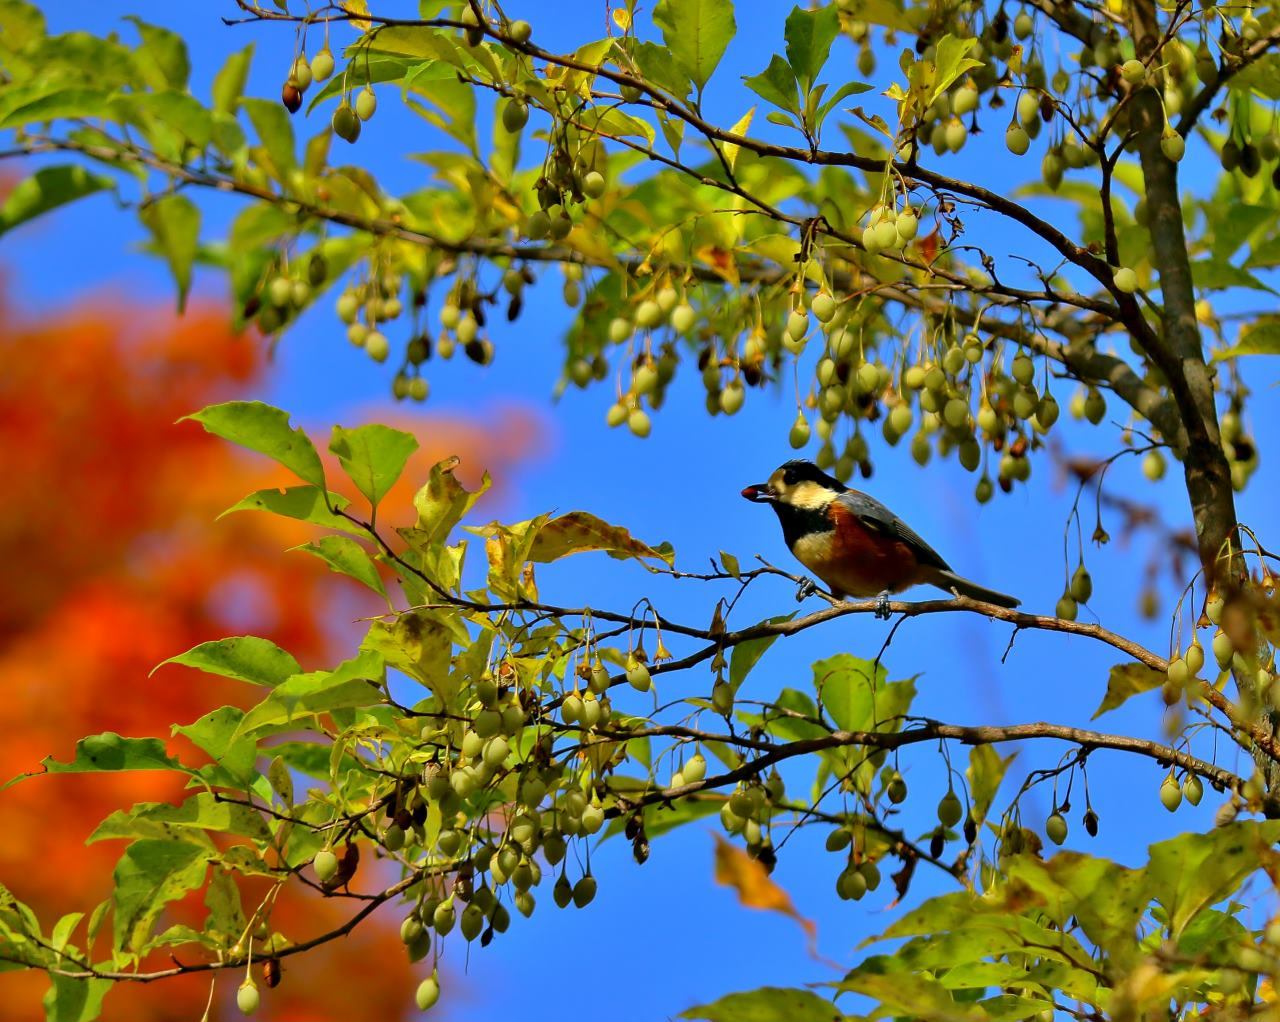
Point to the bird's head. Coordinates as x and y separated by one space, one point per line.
798 484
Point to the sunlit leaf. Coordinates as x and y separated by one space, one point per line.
809 35
579 531
151 874
47 189
697 32
1126 681
174 223
373 456
768 1004
264 429
736 869
347 557
244 657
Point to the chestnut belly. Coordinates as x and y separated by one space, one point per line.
854 561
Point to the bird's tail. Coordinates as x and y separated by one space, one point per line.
950 581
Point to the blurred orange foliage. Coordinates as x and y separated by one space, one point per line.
113 562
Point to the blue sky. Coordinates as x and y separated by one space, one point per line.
682 938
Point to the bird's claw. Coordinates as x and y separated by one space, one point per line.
882 610
805 589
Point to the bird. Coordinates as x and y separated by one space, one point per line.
853 543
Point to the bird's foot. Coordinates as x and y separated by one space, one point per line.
882 610
805 589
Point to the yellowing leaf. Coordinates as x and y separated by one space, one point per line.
359 11
578 531
731 149
736 869
622 18
1125 681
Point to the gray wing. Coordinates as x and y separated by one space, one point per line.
878 517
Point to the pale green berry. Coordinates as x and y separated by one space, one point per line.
248 999
428 992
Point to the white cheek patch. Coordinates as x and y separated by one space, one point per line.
808 496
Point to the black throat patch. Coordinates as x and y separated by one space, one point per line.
798 522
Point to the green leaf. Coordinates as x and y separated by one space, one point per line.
174 223
1192 872
47 189
768 1004
347 557
186 822
1219 275
25 106
149 875
271 121
281 780
747 654
697 32
243 657
226 915
229 83
217 734
776 84
353 683
578 531
21 23
951 62
108 752
1126 681
264 429
162 58
1261 337
985 772
847 687
74 1000
303 503
657 66
373 456
809 35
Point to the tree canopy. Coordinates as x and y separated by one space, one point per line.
480 740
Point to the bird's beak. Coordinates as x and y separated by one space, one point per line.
759 493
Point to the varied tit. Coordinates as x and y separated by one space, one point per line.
855 544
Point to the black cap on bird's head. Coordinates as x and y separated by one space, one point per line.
796 482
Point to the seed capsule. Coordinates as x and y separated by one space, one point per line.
1055 828
1170 793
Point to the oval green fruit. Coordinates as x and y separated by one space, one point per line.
428 993
325 864
515 114
584 891
950 810
346 125
322 64
248 999
366 103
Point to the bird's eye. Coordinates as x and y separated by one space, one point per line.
789 477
